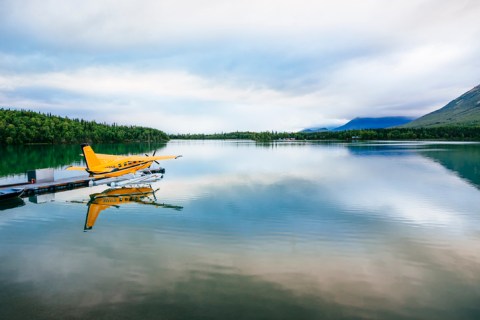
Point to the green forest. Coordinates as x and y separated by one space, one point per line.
24 127
456 133
19 127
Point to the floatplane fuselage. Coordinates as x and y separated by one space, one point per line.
108 166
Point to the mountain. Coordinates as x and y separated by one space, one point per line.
373 123
311 130
463 111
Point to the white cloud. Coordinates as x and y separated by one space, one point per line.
163 94
410 82
248 65
105 23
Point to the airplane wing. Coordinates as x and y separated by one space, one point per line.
151 158
76 168
164 157
106 158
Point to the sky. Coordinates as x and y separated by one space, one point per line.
190 66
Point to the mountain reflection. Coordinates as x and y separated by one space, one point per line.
115 197
462 159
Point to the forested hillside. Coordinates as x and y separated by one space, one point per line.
464 111
21 127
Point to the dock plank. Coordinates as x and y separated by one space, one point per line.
52 186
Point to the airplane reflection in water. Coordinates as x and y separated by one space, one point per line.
119 196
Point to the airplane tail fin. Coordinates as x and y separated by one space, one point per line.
90 157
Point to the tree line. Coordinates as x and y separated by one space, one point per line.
453 133
23 127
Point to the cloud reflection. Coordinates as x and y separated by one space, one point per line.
313 230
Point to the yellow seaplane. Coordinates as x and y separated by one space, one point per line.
108 166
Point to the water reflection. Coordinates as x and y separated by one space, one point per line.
11 203
43 198
463 159
292 231
115 197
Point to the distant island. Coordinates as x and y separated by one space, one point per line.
23 127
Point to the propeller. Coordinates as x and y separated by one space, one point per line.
154 196
153 155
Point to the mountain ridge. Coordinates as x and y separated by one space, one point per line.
462 111
373 123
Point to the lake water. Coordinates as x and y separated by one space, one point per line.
239 230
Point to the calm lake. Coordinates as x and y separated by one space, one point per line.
240 230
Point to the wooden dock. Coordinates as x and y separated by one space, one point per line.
51 186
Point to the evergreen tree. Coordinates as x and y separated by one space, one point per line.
22 126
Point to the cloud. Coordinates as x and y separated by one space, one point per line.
409 82
178 96
113 23
110 23
249 65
